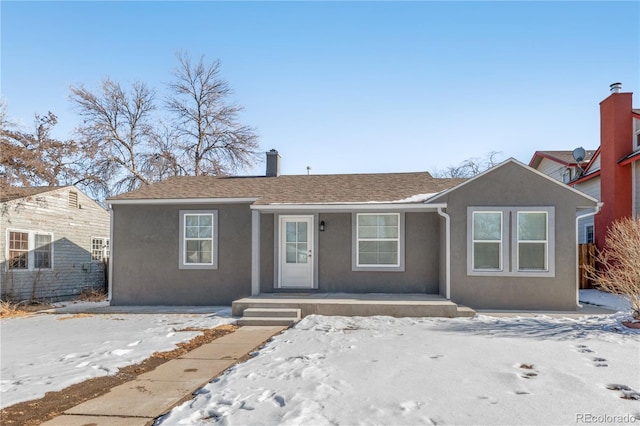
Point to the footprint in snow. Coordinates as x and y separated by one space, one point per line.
529 374
584 349
279 401
626 392
600 362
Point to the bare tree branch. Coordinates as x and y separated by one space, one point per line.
207 127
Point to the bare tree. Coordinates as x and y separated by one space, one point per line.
618 270
209 133
33 158
469 167
116 133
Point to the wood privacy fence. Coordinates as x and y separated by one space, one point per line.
586 256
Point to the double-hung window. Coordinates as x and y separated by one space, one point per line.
42 251
28 250
378 241
487 241
198 239
513 241
18 250
533 241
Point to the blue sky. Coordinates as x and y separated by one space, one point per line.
346 87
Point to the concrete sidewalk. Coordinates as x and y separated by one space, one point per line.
156 392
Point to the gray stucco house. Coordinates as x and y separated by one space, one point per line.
505 239
54 241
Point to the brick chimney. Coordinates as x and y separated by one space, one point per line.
616 142
273 163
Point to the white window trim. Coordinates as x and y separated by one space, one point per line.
31 246
182 264
510 242
105 249
500 242
636 134
399 266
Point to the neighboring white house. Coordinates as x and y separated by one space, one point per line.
54 242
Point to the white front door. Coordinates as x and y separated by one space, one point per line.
296 250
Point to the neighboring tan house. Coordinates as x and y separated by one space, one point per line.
505 239
611 173
53 243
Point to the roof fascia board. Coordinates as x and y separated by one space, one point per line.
269 208
183 201
635 157
586 177
513 160
557 160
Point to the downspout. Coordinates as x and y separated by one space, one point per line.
447 244
593 213
110 290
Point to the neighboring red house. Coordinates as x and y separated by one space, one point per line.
611 173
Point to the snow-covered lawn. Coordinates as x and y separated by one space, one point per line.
414 371
48 352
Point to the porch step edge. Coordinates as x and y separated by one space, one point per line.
465 312
267 321
272 312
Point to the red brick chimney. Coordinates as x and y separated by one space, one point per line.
616 142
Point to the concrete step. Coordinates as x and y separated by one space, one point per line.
272 312
465 312
268 321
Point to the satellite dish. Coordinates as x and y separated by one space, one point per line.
579 154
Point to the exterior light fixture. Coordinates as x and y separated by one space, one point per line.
322 226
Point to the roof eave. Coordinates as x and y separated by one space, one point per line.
347 207
165 201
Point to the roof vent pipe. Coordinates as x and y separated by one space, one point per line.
615 87
273 163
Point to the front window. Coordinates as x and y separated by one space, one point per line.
378 239
532 241
511 241
18 250
487 240
198 231
198 239
42 251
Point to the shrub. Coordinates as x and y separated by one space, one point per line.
618 270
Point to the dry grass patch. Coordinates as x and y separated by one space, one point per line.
93 295
11 310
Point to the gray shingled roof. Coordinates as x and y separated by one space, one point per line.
301 189
13 193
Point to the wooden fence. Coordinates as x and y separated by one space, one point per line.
586 256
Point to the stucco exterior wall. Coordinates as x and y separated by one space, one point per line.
72 229
146 256
421 274
511 186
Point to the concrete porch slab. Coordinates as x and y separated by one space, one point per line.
349 304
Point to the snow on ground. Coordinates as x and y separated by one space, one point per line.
409 371
48 352
608 300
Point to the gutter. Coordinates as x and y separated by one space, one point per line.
110 289
593 213
447 244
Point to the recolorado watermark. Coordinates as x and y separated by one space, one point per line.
590 418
